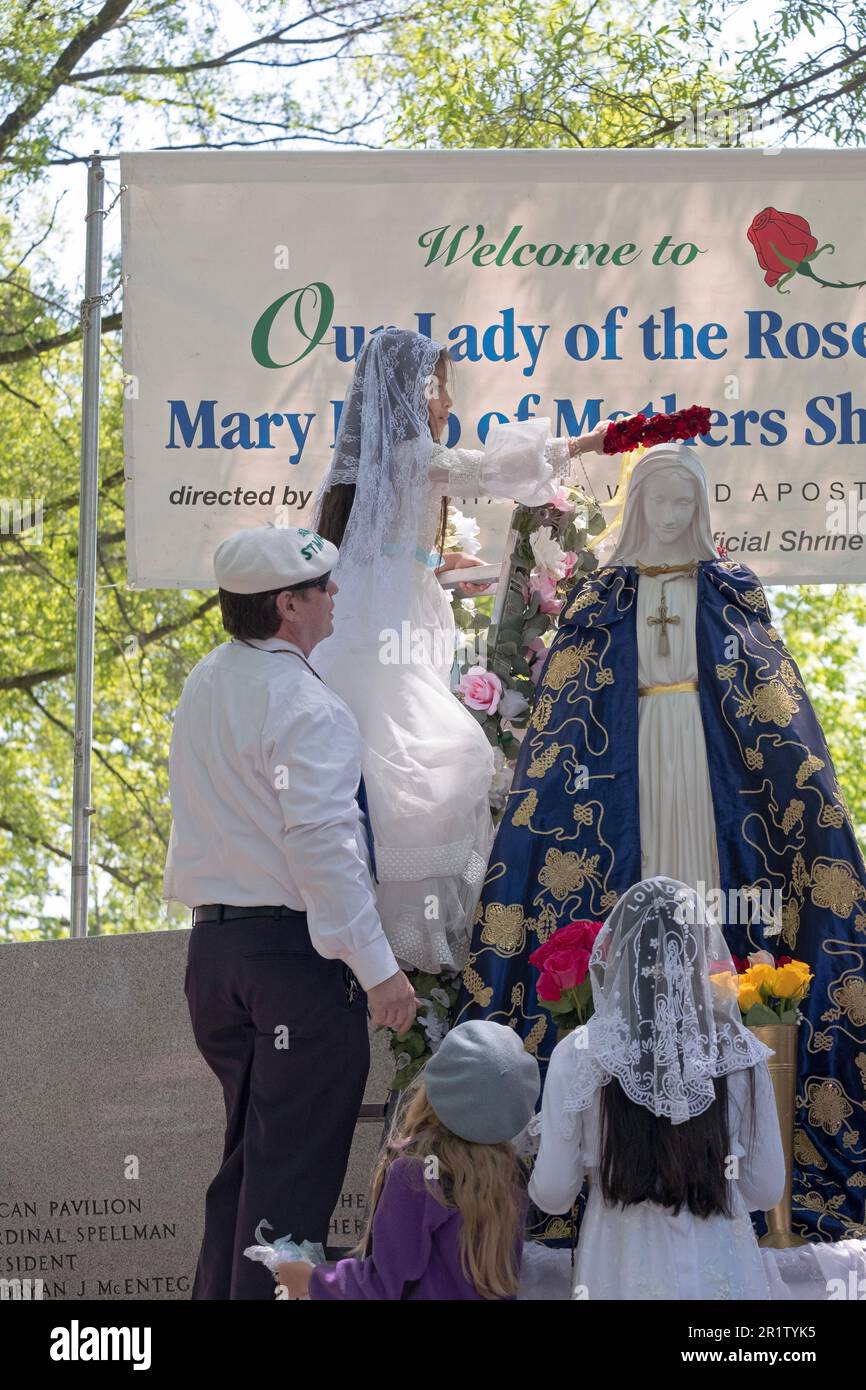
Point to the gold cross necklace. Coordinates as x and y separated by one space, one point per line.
663 620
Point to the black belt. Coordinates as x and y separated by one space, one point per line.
220 912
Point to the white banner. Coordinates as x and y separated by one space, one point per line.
571 284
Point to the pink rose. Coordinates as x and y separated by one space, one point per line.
480 689
545 586
570 562
536 655
561 501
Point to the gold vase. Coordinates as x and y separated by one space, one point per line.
782 1038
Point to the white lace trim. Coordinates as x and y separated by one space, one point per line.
557 455
464 469
421 946
459 859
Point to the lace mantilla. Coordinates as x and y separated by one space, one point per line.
666 1019
383 445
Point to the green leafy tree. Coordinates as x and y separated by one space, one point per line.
165 73
823 627
518 73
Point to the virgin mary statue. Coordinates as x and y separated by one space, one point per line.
672 736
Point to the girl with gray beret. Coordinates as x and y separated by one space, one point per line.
448 1200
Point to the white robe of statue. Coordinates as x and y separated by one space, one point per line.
666 521
678 828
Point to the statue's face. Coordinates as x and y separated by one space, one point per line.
669 504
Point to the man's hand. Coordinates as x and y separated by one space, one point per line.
393 1003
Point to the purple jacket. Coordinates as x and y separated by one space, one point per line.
415 1249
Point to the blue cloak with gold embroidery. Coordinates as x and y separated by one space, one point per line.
569 845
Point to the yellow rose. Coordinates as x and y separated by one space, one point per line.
801 967
759 975
748 997
788 982
724 982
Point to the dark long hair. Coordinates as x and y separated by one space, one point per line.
645 1158
335 508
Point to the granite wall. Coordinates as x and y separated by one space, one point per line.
112 1123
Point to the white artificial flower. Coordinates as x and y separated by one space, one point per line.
511 705
549 554
441 997
463 532
434 1026
500 785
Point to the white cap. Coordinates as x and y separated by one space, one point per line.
262 558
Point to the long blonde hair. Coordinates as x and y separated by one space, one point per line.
485 1181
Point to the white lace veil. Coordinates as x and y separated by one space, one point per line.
666 1018
383 446
634 532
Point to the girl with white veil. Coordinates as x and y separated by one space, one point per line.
426 761
664 1101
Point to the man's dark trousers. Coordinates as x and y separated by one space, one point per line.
274 1020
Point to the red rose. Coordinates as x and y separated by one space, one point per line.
579 936
624 435
540 954
564 970
580 933
562 966
788 233
547 988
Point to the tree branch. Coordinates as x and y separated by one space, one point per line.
30 679
58 75
110 324
97 752
68 504
128 882
232 57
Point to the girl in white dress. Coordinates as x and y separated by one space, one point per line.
664 1102
427 763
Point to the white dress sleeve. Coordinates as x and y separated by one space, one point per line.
519 461
559 1168
758 1146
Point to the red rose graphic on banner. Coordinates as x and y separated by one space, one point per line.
785 247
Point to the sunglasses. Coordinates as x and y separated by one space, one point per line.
320 583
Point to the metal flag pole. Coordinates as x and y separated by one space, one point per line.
91 322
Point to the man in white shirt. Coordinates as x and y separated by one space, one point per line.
269 848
